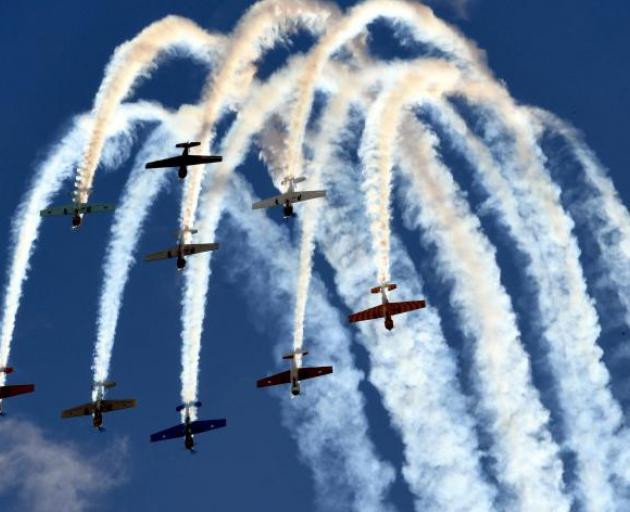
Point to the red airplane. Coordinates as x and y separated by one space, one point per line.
295 374
386 309
14 390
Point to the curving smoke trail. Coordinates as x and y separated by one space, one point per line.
329 419
132 60
424 27
593 428
260 29
48 179
598 207
528 460
139 194
264 101
415 373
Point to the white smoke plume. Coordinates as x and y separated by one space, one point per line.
48 179
261 27
528 459
131 61
328 420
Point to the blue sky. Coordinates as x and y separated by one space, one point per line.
567 57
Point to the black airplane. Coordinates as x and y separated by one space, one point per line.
184 160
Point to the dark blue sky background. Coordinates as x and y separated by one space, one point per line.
566 56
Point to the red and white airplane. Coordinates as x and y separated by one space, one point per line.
386 309
295 374
13 390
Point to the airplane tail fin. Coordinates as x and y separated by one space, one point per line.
387 286
181 407
187 144
291 355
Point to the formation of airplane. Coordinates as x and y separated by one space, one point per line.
77 211
387 309
181 249
295 374
188 429
181 162
99 406
13 390
288 198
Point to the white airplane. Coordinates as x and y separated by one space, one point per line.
181 250
99 406
295 374
386 309
289 197
77 210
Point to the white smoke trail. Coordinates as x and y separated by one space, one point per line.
417 17
132 60
328 421
266 98
600 208
141 191
48 179
262 26
527 457
593 428
415 373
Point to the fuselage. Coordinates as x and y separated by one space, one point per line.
189 441
295 382
389 322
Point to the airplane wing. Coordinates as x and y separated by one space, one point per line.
305 195
274 380
271 202
117 405
190 249
162 255
169 433
16 389
200 426
309 373
395 308
71 209
180 160
367 314
79 410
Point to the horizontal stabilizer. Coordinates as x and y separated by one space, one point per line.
187 144
181 407
16 389
107 384
290 355
388 287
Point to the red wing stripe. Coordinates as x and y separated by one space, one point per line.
394 308
368 314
